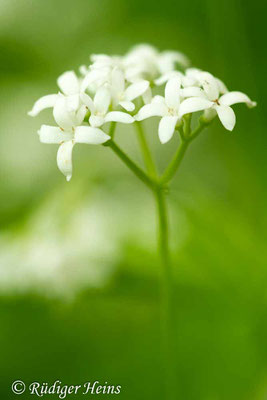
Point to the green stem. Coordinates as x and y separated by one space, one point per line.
130 164
174 164
151 169
166 296
202 124
179 155
112 129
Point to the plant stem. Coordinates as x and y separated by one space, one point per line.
130 164
151 169
179 155
112 129
175 162
166 296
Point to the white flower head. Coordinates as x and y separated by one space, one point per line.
171 108
99 109
69 132
70 87
111 87
122 95
216 92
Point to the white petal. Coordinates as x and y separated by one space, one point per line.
96 120
127 105
155 109
102 99
64 158
192 92
93 77
172 93
118 116
165 77
166 128
88 102
158 100
80 115
69 83
193 104
89 135
236 97
168 59
147 96
73 102
210 85
62 116
209 114
118 80
53 134
227 116
43 103
136 89
222 88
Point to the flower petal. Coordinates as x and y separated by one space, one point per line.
155 109
69 83
53 134
96 120
227 116
193 104
166 128
168 59
43 103
80 115
95 76
89 135
231 98
127 105
62 116
147 96
192 92
102 99
73 102
118 116
118 80
222 88
172 92
136 89
210 85
167 76
88 102
64 158
209 114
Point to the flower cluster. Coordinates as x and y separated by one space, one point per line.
120 89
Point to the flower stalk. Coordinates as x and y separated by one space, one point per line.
159 188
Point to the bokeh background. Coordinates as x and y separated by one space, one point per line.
79 274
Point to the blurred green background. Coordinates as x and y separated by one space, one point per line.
79 274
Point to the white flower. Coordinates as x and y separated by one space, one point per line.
69 85
99 109
69 132
211 89
171 109
124 96
146 62
86 103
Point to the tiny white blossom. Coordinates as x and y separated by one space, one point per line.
69 132
99 109
171 109
211 89
70 86
122 95
146 62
